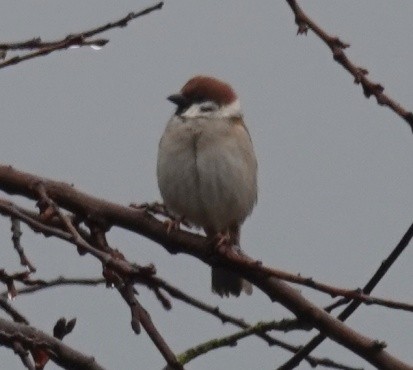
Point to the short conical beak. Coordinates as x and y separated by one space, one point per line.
178 99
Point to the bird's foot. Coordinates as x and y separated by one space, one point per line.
223 240
156 208
173 224
221 243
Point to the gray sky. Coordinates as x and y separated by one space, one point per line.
335 174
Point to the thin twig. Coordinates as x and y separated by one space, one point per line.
22 277
11 311
37 43
141 316
58 282
73 40
16 235
24 355
65 44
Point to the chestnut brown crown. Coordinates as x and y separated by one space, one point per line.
204 88
201 88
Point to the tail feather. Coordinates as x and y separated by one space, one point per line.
226 283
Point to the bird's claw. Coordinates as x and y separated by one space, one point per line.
173 224
153 207
223 239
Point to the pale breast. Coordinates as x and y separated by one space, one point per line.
178 179
227 171
207 172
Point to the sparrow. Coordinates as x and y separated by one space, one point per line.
207 169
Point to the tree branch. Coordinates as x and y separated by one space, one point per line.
87 203
31 338
16 235
24 356
141 316
73 40
11 311
304 22
109 214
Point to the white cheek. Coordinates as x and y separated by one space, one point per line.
230 110
194 111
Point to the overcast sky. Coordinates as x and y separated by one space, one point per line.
335 178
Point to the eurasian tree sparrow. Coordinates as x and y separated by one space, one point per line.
207 170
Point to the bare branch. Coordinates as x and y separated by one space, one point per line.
304 22
153 281
349 294
68 41
104 213
58 282
73 40
141 316
22 277
179 241
24 356
32 339
11 311
65 44
16 235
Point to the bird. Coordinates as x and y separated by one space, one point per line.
207 168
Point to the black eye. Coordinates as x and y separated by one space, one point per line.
208 108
